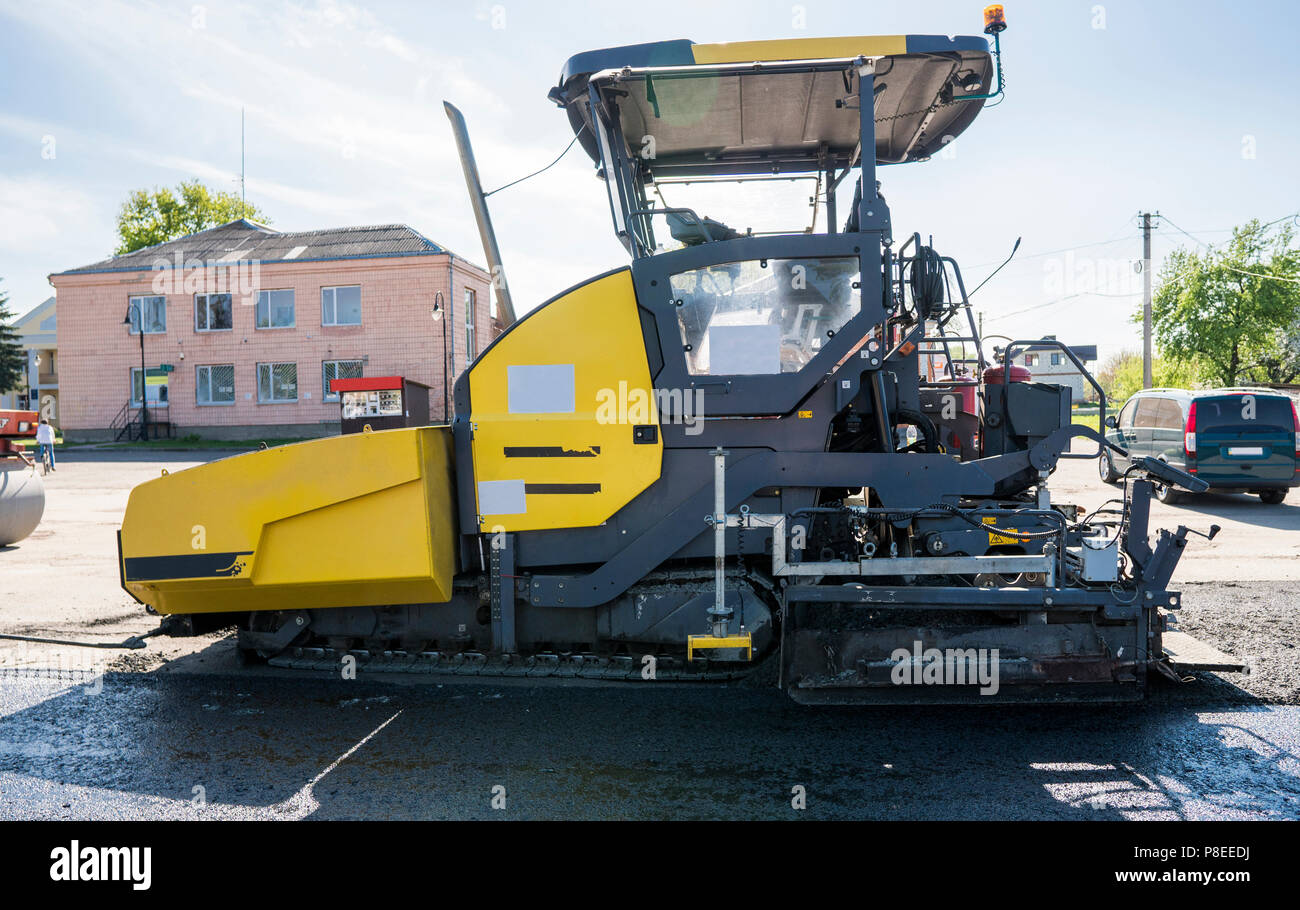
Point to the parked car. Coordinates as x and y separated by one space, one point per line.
1241 440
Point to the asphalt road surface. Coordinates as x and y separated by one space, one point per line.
179 731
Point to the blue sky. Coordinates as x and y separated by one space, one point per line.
1111 108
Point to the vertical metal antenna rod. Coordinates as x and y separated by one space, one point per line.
720 614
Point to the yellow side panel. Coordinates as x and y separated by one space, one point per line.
362 519
577 465
800 49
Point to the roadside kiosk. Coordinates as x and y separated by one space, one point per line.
382 402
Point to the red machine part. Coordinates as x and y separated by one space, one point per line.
1018 374
16 425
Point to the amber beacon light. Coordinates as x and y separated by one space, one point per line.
995 19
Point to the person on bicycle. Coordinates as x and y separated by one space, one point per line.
45 441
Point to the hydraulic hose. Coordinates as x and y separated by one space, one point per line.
927 280
929 432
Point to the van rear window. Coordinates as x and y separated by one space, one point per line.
1222 411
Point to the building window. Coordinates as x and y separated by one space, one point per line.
155 314
338 369
1031 360
340 306
471 351
213 313
156 388
275 310
214 384
1056 360
277 382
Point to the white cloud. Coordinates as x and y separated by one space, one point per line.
361 107
39 213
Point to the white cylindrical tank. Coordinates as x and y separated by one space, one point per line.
22 500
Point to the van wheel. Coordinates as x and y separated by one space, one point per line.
1168 495
1272 497
1106 468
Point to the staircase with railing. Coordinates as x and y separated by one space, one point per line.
130 424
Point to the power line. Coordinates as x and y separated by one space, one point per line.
1177 277
1040 306
1083 246
1128 235
1172 223
1232 268
1293 216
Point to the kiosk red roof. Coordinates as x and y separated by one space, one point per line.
366 384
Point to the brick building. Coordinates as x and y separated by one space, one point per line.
244 327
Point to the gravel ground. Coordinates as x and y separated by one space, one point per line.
1255 621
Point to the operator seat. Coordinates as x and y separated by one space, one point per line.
693 233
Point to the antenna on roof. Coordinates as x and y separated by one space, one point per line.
243 202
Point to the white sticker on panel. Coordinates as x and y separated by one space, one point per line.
501 497
540 388
744 350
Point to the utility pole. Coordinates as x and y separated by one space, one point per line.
1147 381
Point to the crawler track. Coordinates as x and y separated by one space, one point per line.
545 665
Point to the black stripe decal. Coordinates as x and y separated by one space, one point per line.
561 488
121 571
189 565
550 452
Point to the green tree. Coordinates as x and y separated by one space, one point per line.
1234 309
1121 375
156 216
1280 362
13 361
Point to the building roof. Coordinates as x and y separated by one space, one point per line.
1085 352
243 241
38 326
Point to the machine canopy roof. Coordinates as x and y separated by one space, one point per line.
783 106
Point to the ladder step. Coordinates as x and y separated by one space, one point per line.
1187 653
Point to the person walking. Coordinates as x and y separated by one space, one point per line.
45 441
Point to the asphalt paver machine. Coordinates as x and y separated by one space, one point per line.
777 455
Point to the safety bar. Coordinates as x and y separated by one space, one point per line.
1101 393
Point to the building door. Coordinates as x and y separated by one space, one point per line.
155 387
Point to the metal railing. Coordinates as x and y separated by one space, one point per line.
131 423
